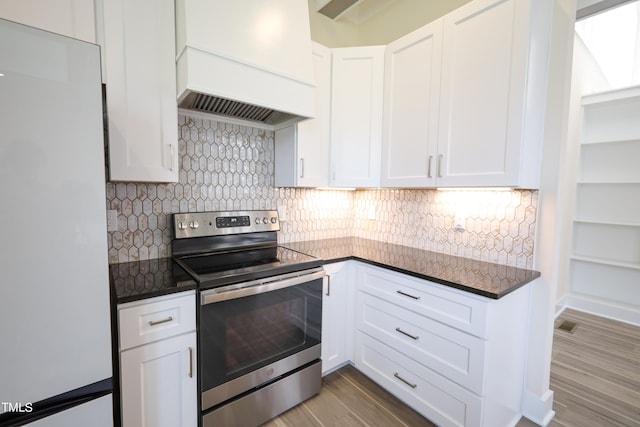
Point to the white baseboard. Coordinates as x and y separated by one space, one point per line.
561 305
538 409
602 308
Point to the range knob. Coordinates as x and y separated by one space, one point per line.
258 220
274 220
194 224
182 226
265 220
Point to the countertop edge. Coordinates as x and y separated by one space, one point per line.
470 289
153 294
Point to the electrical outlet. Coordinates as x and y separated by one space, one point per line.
459 222
372 213
112 220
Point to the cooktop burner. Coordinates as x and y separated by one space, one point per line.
221 248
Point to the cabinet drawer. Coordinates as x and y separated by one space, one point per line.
146 321
453 354
429 299
438 399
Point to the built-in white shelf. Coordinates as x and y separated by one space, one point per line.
606 262
605 251
589 221
611 116
612 202
612 161
613 243
608 282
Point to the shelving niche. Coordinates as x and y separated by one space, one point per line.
605 260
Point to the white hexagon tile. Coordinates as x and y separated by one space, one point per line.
230 167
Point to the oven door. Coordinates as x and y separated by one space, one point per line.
253 333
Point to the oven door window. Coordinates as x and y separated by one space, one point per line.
240 335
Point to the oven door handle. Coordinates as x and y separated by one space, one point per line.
259 286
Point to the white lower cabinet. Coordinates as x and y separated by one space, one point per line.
456 358
335 316
158 370
435 397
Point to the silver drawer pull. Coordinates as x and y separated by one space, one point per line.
154 323
397 375
413 337
408 295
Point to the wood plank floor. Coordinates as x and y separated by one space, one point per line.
349 398
595 375
595 372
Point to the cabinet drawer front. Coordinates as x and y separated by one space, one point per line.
429 299
438 399
155 319
448 351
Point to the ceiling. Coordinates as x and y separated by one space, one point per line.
354 11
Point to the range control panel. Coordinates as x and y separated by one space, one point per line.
202 224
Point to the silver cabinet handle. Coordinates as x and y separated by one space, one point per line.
158 322
190 362
328 285
440 165
408 295
172 154
413 337
429 166
397 375
301 168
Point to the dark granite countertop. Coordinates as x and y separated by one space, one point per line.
478 277
146 279
139 280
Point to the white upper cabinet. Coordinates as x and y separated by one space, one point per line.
302 150
459 95
70 18
140 75
411 100
356 116
482 99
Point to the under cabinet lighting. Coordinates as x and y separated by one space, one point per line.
336 188
476 189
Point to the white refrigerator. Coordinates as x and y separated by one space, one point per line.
55 340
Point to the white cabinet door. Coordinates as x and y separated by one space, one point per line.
334 316
356 116
302 150
158 386
484 75
70 18
140 67
411 99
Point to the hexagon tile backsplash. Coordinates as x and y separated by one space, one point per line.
230 167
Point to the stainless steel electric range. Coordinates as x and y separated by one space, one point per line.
259 317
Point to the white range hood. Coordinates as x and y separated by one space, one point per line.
245 59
